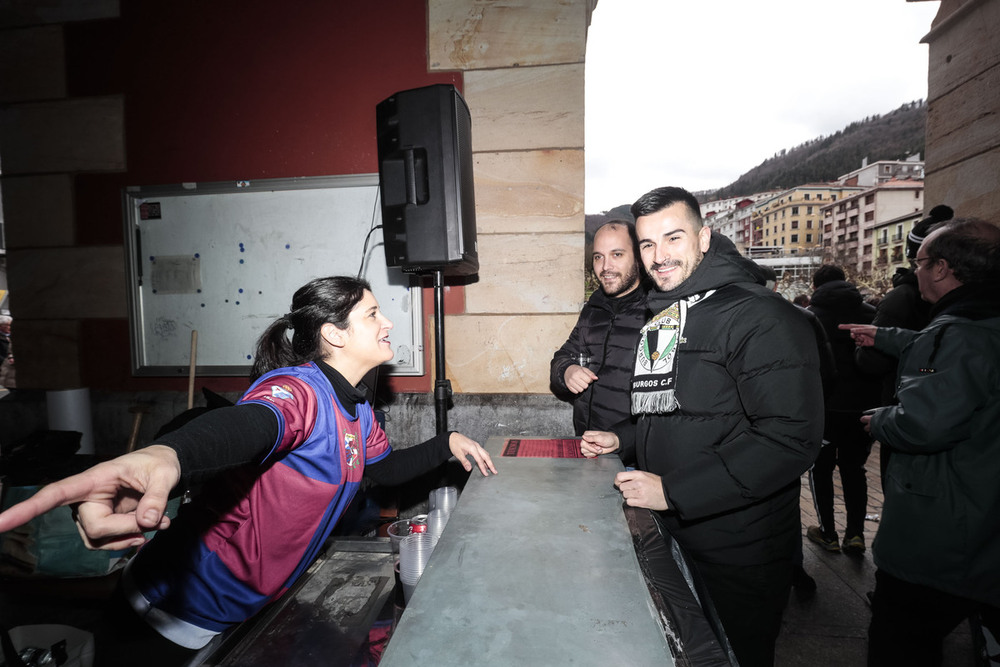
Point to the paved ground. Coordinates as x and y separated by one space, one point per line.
829 629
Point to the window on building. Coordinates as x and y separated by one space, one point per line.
782 226
795 238
807 196
795 224
853 220
809 224
809 210
795 210
809 238
869 216
833 197
869 198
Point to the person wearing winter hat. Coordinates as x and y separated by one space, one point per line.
939 213
901 307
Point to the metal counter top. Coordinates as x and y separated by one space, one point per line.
535 566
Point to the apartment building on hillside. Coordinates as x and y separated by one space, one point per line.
734 223
849 224
889 246
792 221
870 175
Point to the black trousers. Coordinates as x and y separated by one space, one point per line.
749 600
910 622
848 449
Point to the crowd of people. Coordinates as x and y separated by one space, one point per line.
717 393
733 398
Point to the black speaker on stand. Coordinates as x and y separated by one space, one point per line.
428 203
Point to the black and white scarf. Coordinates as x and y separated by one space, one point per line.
654 389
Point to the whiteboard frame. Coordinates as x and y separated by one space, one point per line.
137 271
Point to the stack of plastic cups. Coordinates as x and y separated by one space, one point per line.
436 521
414 552
443 499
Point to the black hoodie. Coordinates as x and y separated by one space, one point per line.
750 420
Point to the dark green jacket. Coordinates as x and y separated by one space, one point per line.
941 518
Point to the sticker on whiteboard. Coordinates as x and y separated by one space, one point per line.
149 210
176 274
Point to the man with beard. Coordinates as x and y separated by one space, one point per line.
605 334
725 390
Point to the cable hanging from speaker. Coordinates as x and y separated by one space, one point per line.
364 251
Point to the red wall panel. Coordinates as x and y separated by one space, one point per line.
222 90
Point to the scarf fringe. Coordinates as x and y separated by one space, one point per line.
657 403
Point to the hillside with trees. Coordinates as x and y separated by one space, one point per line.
892 136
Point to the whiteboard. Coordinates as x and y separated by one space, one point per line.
225 258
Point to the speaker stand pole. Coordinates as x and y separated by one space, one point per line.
442 386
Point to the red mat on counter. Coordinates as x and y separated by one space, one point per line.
555 448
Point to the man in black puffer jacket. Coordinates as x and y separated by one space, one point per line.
725 390
606 333
854 390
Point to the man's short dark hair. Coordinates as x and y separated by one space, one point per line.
660 198
828 273
630 228
971 247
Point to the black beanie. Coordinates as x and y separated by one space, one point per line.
939 213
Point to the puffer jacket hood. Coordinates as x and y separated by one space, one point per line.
836 295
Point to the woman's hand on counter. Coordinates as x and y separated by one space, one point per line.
463 447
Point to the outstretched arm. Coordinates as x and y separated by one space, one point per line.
116 500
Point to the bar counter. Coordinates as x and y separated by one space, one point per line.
535 566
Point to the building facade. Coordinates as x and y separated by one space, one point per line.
870 175
849 223
792 220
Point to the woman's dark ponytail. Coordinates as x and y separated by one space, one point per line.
314 304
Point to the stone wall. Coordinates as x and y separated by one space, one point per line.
963 123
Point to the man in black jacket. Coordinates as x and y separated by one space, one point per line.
604 335
836 302
725 387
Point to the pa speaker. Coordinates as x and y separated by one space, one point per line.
426 183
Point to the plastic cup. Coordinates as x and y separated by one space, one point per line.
407 591
436 521
414 552
397 531
443 498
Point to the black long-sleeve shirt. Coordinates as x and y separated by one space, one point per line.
231 437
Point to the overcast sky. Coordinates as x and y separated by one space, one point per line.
697 93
